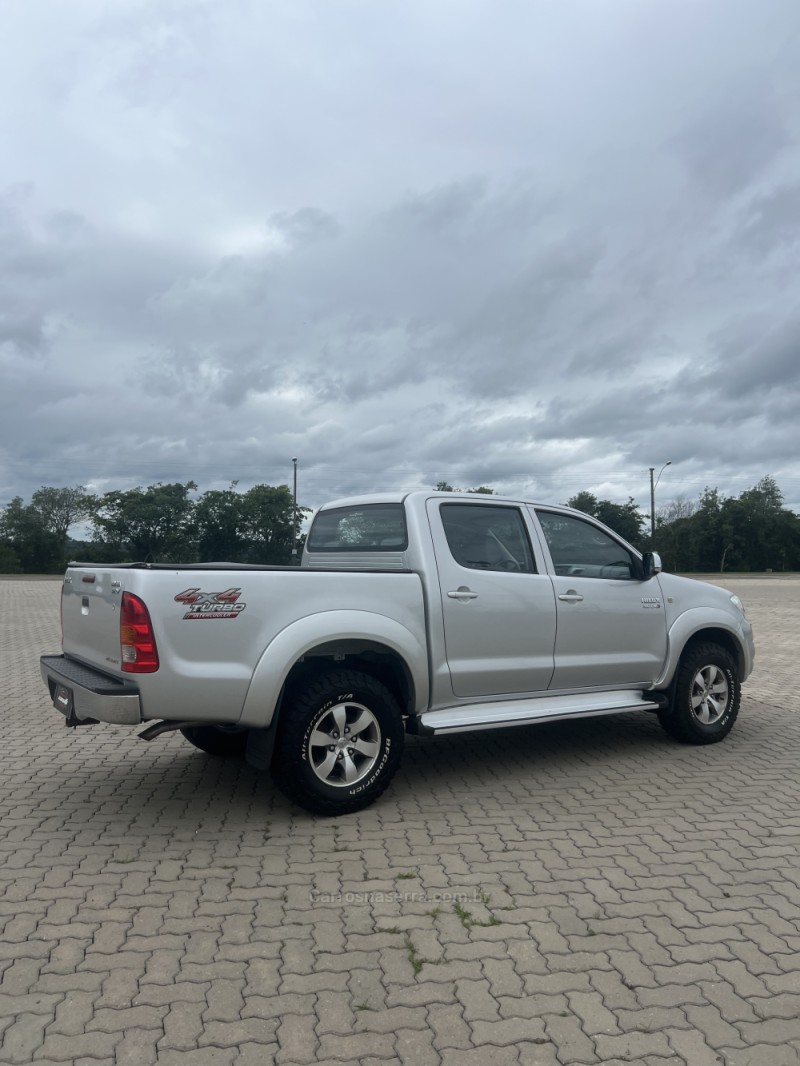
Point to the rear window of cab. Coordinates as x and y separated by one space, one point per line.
373 527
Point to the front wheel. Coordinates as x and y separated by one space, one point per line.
707 696
339 743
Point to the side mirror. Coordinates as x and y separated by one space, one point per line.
651 565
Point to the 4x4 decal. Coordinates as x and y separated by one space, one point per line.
206 605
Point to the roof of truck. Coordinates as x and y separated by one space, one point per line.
426 494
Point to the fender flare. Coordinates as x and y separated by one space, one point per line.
686 625
302 636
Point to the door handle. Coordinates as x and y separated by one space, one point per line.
463 593
571 596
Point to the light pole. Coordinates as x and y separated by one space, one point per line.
294 506
653 496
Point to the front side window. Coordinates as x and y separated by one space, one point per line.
580 549
485 537
373 527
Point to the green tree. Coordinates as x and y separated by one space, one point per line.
675 544
60 508
624 518
753 531
25 538
713 534
757 523
9 560
219 517
256 526
584 501
153 524
268 529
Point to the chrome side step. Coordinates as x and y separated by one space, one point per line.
501 713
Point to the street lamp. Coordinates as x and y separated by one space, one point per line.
653 496
294 507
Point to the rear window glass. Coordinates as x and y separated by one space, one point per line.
374 527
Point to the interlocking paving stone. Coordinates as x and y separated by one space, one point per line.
621 898
761 1055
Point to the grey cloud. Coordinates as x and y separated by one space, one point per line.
773 220
735 141
769 361
307 224
68 227
444 210
25 333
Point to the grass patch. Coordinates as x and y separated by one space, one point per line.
416 960
466 919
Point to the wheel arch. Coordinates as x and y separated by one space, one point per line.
685 635
715 635
373 644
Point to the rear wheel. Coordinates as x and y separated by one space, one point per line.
216 740
707 696
339 743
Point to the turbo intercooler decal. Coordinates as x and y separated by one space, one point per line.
210 605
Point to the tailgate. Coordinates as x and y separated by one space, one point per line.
90 608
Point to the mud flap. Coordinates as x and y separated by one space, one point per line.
260 745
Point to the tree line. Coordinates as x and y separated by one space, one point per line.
156 523
753 531
716 533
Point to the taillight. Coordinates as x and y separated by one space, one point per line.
137 641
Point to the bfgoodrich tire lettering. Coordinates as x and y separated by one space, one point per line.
707 696
339 743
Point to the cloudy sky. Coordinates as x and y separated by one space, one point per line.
536 244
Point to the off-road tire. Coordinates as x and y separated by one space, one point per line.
707 686
313 758
214 741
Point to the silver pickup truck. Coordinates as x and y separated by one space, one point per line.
421 613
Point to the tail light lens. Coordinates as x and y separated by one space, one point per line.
137 641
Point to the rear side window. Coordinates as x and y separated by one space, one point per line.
485 537
373 527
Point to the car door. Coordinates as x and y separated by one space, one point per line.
498 610
611 624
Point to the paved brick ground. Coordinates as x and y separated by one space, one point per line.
585 894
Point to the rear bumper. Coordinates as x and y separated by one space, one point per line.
84 695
